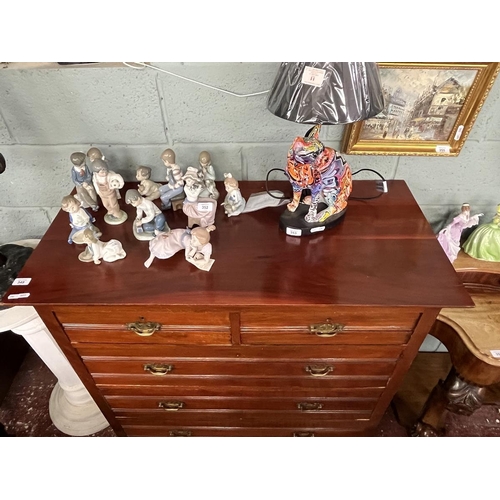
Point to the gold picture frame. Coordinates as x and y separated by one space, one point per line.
429 110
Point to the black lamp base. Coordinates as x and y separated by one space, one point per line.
294 223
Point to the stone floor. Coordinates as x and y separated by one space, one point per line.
24 411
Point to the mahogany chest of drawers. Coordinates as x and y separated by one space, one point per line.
284 336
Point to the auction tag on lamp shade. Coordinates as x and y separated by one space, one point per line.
204 206
313 76
495 353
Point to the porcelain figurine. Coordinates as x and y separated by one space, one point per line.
200 211
107 185
82 179
449 237
147 188
108 252
165 245
175 184
207 173
149 220
95 154
233 203
79 219
484 242
199 249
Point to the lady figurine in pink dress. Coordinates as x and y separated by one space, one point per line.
449 237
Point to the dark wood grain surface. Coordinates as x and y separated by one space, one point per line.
382 253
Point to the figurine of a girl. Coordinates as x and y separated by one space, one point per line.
79 219
82 179
484 242
147 188
175 184
207 173
107 184
165 245
95 154
109 251
234 203
449 237
200 211
149 220
199 249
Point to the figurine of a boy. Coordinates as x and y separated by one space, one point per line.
234 203
207 173
147 188
175 183
79 219
95 154
107 185
149 220
200 211
82 179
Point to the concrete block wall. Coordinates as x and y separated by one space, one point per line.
133 115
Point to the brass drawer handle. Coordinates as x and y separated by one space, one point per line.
178 433
309 406
303 434
171 405
319 371
327 329
158 368
143 328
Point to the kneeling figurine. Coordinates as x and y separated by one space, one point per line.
107 251
149 219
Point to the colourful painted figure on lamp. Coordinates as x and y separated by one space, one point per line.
149 220
175 184
107 185
200 211
449 237
234 203
108 251
82 179
313 166
79 219
147 188
484 241
207 173
199 249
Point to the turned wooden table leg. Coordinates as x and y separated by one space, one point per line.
455 395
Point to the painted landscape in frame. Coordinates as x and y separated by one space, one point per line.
429 109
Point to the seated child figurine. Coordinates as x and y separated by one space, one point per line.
484 242
79 220
147 188
167 244
207 174
175 184
199 249
82 179
109 251
449 237
149 220
200 211
234 203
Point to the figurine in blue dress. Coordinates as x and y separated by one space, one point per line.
82 179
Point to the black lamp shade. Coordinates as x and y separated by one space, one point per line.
330 93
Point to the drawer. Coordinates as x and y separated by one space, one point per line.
328 325
166 431
297 404
237 418
143 369
131 325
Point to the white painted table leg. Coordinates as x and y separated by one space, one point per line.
71 408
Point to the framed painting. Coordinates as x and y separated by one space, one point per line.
429 110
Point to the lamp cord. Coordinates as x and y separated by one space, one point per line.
267 188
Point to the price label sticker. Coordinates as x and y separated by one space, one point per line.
441 148
14 296
495 353
21 281
205 207
317 229
313 76
293 232
458 134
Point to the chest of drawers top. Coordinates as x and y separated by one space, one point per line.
383 253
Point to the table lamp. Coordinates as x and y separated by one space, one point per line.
330 93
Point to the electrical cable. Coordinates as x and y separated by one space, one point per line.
370 197
234 94
267 189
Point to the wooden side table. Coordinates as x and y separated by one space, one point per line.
472 337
